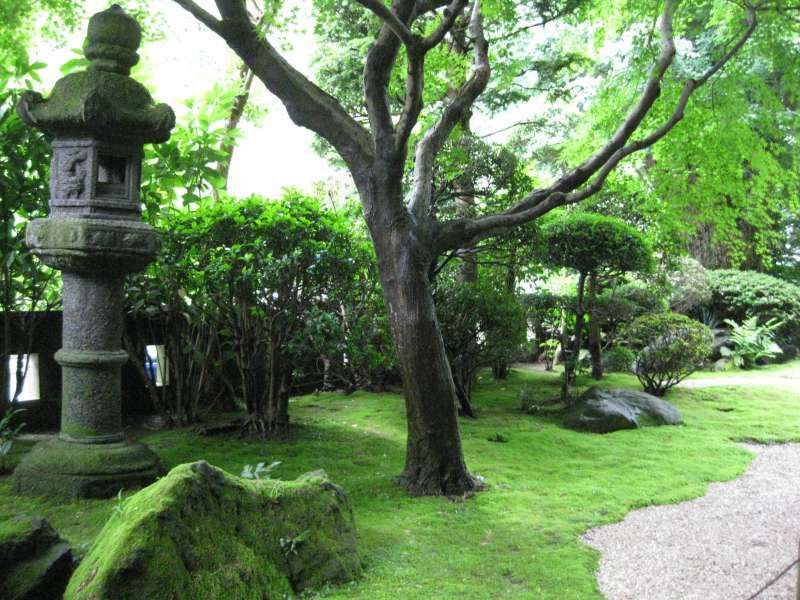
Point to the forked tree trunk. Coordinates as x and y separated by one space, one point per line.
434 459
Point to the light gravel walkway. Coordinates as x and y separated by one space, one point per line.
789 380
724 545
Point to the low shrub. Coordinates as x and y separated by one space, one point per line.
738 295
618 359
669 347
751 343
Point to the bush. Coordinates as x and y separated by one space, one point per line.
751 343
482 323
669 347
737 295
619 360
243 290
691 286
622 304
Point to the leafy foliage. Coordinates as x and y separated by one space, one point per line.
619 359
621 304
737 295
481 323
669 347
259 471
245 292
751 343
26 286
723 182
186 167
592 243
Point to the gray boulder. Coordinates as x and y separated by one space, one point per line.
603 411
35 563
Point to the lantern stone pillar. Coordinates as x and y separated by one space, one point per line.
100 120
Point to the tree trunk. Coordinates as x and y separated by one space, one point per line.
573 356
276 419
462 378
434 459
595 335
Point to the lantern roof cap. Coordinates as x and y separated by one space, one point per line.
102 101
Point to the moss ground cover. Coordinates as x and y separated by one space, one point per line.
547 485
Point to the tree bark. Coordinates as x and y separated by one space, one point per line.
573 355
434 459
595 335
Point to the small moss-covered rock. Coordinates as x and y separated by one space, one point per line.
201 533
603 411
35 564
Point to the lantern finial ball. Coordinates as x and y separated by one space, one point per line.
112 39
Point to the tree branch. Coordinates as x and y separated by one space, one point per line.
205 17
377 72
398 27
308 105
460 232
650 94
415 79
451 13
430 145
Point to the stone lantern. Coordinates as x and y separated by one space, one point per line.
99 119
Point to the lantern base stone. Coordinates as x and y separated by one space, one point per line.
67 469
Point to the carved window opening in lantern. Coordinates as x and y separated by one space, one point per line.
112 175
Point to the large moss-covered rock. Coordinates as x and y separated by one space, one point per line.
202 533
35 564
603 411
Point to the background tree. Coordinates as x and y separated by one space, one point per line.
482 323
407 238
595 246
724 186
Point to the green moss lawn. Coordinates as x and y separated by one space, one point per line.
547 485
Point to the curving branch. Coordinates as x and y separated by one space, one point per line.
459 232
415 78
308 105
433 140
377 72
451 13
398 27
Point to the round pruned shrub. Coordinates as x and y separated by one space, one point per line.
669 347
619 360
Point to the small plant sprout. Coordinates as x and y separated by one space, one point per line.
259 471
290 545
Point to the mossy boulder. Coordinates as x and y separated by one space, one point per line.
35 563
604 411
202 533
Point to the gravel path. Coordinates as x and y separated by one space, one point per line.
724 545
789 381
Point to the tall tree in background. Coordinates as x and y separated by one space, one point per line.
725 187
406 236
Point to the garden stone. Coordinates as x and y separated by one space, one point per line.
100 119
603 411
35 564
202 533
